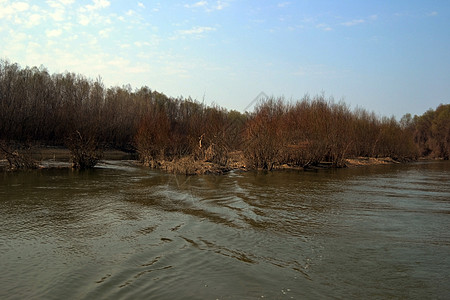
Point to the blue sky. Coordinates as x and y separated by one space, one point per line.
390 57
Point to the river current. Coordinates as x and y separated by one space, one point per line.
125 232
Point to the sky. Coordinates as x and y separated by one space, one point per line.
390 57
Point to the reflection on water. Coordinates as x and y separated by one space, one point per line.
121 231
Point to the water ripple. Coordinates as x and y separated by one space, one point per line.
125 232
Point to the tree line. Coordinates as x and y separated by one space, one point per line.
67 109
431 131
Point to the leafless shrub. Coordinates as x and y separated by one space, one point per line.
263 135
18 157
85 151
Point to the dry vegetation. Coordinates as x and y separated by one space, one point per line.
184 136
317 130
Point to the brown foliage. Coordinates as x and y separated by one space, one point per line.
153 140
317 130
263 135
178 128
432 132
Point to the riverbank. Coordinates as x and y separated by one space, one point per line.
370 161
48 157
58 158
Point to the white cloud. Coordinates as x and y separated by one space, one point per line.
13 9
141 5
84 20
104 33
87 18
20 6
97 4
53 33
68 26
218 5
432 14
101 3
17 44
141 44
353 22
197 30
283 4
33 46
18 36
54 4
60 6
176 68
197 4
324 27
34 20
118 66
58 15
59 3
72 38
138 69
92 41
119 62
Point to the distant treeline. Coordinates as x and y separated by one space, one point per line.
431 132
38 108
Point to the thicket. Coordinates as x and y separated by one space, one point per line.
38 108
180 128
431 131
317 130
69 110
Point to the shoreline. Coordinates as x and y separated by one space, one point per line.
59 158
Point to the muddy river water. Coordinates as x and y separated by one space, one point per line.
125 232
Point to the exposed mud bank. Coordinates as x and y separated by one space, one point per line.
190 166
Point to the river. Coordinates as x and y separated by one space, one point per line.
125 232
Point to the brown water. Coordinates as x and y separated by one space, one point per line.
124 232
